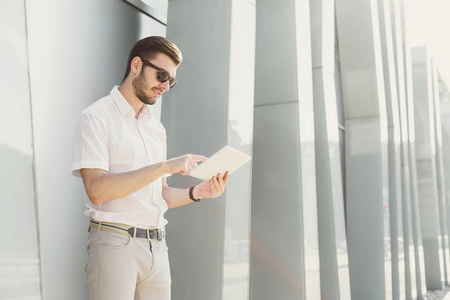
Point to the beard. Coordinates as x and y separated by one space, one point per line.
140 87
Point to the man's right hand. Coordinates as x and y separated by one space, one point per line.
102 186
183 164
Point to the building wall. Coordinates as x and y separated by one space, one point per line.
322 209
70 54
210 108
19 249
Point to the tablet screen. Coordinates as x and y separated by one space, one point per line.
226 159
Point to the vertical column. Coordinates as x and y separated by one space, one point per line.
366 148
394 153
284 245
440 181
236 271
417 236
408 240
426 172
212 106
334 273
444 103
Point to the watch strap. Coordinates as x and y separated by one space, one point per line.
191 194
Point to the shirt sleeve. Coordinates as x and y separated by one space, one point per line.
90 144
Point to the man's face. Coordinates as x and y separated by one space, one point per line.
146 87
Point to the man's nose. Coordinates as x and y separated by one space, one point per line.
166 85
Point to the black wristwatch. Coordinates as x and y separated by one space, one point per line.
191 194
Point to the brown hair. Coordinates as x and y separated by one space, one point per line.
151 46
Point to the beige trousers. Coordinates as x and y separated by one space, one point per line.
121 267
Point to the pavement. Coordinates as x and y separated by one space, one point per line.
439 294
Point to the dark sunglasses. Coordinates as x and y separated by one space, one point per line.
163 75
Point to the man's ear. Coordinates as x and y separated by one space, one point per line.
136 65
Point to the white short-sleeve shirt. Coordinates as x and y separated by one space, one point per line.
109 137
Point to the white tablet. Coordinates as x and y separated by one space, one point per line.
226 159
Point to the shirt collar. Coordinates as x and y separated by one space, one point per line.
125 107
146 112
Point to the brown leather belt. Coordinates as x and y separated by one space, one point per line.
151 234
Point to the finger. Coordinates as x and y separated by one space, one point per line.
225 178
192 164
216 184
186 168
199 157
212 187
220 180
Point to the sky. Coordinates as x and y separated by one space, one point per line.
429 24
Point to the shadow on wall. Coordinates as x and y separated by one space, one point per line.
16 184
17 217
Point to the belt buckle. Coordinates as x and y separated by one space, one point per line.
152 234
155 234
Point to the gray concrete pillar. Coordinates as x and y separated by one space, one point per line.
408 241
426 167
440 180
444 103
366 149
211 106
416 232
334 273
284 245
394 151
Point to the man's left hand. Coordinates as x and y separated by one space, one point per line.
212 188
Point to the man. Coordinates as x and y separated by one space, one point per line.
120 153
